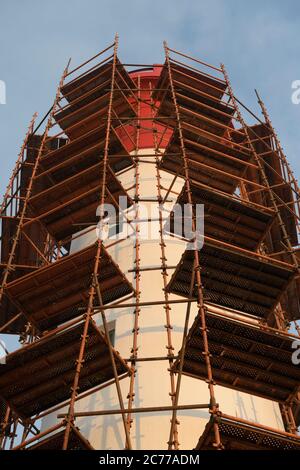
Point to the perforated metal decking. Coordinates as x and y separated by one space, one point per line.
244 357
238 435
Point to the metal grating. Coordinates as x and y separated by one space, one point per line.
55 442
39 376
62 207
54 293
229 219
88 98
234 279
243 357
195 105
205 164
236 435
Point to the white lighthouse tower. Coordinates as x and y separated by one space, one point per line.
152 332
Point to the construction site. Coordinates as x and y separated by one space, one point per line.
138 342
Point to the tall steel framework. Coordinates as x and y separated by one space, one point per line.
243 285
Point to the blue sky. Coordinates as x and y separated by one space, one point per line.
258 42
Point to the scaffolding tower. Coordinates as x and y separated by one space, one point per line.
242 286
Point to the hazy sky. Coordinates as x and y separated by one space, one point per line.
257 40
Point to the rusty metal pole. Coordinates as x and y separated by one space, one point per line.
201 307
164 272
92 291
40 435
143 409
113 363
7 196
297 327
19 162
181 356
285 237
80 359
282 156
22 216
4 425
137 309
13 434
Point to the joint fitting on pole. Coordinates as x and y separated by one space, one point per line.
206 353
212 403
210 381
77 361
171 443
86 337
218 446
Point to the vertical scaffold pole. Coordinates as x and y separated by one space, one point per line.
6 197
23 212
214 408
93 288
283 159
164 270
285 236
137 309
286 239
22 215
